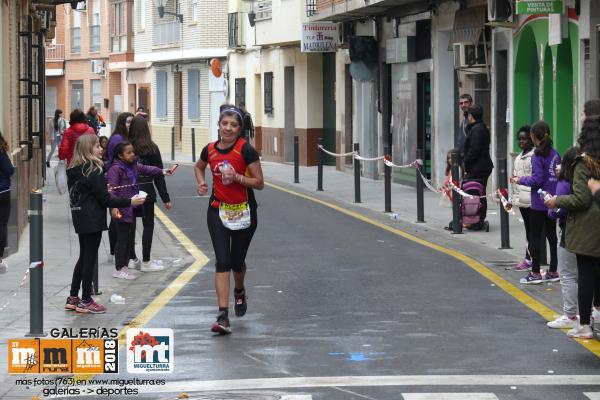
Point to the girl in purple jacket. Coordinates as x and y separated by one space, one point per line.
567 261
543 176
122 178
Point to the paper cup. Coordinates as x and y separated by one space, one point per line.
142 194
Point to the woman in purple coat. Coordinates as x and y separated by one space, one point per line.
123 177
543 176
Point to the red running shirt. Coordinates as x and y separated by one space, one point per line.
234 193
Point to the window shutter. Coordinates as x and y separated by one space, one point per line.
161 94
193 94
268 93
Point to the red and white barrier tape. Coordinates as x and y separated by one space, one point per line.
392 165
360 158
23 280
336 154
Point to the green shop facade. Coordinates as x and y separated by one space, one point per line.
545 78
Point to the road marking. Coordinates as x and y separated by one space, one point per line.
296 397
592 396
371 381
449 396
543 310
172 289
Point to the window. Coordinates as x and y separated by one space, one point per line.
142 9
240 91
194 10
118 27
234 30
76 32
161 94
268 92
193 94
95 26
76 95
96 94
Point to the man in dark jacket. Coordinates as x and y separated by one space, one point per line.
477 160
248 131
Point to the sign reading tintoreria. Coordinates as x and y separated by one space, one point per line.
319 37
539 7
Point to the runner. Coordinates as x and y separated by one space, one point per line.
231 215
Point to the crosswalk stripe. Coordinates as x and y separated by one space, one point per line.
296 397
592 396
449 396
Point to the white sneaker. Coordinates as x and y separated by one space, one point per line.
581 332
563 322
135 264
151 266
596 322
124 273
3 267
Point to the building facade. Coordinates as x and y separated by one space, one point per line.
178 85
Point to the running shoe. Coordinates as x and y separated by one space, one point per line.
596 323
532 279
135 264
90 307
551 277
563 322
124 273
71 303
581 332
524 265
151 266
222 325
240 304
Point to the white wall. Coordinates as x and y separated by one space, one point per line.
285 25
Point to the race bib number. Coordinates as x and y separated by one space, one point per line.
235 216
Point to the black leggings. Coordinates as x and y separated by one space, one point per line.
4 214
112 236
230 246
537 221
84 269
148 223
125 243
525 214
588 269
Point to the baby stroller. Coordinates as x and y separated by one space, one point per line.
473 209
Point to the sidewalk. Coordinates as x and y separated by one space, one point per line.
61 250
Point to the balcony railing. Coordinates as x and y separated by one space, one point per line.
311 7
166 33
95 38
55 52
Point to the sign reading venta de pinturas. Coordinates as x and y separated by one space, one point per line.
539 7
319 37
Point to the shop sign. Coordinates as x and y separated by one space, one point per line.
319 37
539 7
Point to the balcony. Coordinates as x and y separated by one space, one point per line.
166 34
55 52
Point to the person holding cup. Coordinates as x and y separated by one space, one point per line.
122 178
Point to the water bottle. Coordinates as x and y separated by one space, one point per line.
224 167
544 195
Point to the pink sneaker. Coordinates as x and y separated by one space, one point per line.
524 265
90 307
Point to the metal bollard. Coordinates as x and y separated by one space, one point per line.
420 186
172 143
320 166
36 269
356 176
456 199
504 223
296 160
387 180
193 144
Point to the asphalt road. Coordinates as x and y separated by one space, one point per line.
332 296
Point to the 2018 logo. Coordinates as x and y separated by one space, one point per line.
150 350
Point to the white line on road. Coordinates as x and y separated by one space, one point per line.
449 396
296 397
366 381
592 396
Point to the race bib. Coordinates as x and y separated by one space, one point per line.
235 216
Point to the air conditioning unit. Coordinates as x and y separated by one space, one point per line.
98 67
468 55
500 10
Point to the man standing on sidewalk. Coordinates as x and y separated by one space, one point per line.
465 101
477 160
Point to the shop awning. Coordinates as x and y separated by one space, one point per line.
468 25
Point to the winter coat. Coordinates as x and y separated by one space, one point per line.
521 195
93 122
6 171
543 176
583 218
122 173
110 149
89 199
62 125
147 183
477 158
67 146
563 188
